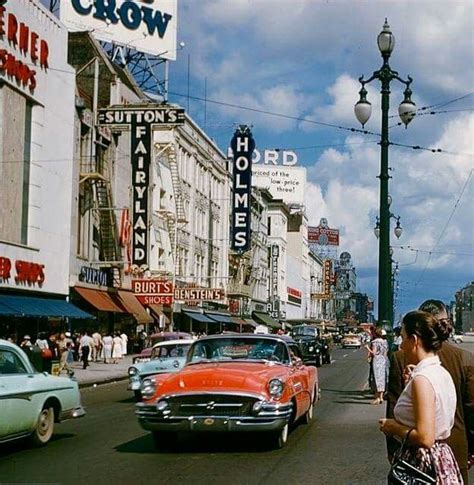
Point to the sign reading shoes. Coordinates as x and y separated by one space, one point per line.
242 145
146 25
140 121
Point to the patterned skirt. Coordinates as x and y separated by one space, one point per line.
437 461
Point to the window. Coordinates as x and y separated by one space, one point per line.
15 148
10 363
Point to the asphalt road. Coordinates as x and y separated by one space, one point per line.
341 446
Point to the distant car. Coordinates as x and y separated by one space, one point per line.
30 401
457 339
145 354
232 383
167 356
351 341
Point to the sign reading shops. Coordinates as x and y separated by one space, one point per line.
140 121
242 145
148 26
23 272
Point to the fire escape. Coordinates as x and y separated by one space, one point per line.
167 151
95 179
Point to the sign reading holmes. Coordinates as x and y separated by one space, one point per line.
147 25
242 145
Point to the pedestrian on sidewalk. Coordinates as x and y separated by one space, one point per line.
378 352
424 412
108 343
66 359
97 347
460 365
116 348
85 345
124 338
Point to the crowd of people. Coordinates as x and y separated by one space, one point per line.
65 347
429 388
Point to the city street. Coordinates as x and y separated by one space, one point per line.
342 445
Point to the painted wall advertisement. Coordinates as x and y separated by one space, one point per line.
148 26
287 183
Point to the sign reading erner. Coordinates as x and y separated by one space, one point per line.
145 25
242 145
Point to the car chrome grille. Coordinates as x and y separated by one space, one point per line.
211 405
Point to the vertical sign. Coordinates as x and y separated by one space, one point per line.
242 145
274 269
327 268
141 144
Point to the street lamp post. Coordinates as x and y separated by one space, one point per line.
406 110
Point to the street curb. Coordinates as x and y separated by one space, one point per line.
109 380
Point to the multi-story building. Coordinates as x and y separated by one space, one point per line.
316 305
464 309
36 169
345 287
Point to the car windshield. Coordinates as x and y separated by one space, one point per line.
238 348
304 332
171 351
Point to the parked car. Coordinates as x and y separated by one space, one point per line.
231 383
145 354
307 338
326 348
31 401
457 338
351 341
167 356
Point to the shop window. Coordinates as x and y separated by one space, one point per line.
15 152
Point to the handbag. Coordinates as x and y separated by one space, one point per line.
404 473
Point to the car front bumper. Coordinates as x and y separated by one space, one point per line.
77 412
271 418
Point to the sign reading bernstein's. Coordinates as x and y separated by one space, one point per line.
199 294
153 292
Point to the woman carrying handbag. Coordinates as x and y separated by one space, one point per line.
424 413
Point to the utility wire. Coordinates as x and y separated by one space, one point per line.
445 227
409 248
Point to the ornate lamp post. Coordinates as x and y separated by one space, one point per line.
406 110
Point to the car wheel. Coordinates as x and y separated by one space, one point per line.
280 438
138 395
308 415
44 427
164 440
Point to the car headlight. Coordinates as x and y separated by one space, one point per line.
275 388
161 405
132 371
311 349
148 388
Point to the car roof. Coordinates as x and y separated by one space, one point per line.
170 334
174 342
7 343
285 338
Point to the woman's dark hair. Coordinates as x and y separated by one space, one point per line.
426 327
377 331
436 307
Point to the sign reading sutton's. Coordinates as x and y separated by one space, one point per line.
146 25
242 145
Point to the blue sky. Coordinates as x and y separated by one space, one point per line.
302 59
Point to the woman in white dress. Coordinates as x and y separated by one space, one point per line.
107 342
116 348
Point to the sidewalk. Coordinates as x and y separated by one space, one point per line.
101 373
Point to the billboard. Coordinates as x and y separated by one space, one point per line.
242 145
323 236
148 26
287 183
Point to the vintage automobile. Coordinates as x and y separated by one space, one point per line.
231 383
351 341
145 354
30 401
167 356
307 338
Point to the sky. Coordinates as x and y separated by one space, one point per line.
302 59
299 62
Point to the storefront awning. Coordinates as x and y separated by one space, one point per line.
265 319
199 317
238 320
101 300
219 317
250 322
133 306
29 306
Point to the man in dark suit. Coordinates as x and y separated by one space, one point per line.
460 364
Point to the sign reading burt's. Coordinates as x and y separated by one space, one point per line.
242 145
140 121
153 292
146 25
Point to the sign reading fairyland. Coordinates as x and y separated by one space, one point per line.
140 122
